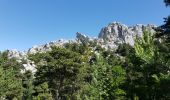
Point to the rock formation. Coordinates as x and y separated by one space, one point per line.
109 37
116 33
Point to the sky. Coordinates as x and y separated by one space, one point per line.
25 23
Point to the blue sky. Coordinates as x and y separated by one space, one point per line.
24 23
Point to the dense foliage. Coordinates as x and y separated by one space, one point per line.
89 72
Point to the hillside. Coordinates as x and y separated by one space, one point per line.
124 62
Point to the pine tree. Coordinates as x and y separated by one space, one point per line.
62 70
27 82
11 81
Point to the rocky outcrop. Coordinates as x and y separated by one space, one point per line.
22 57
29 65
82 38
117 33
47 47
16 54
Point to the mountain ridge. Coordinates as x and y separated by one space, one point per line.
110 37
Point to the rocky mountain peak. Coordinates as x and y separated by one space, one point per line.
117 33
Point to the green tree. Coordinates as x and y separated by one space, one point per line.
42 92
106 81
10 77
144 47
146 70
62 69
28 86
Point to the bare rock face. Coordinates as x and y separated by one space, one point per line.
47 47
16 54
39 49
117 33
29 65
